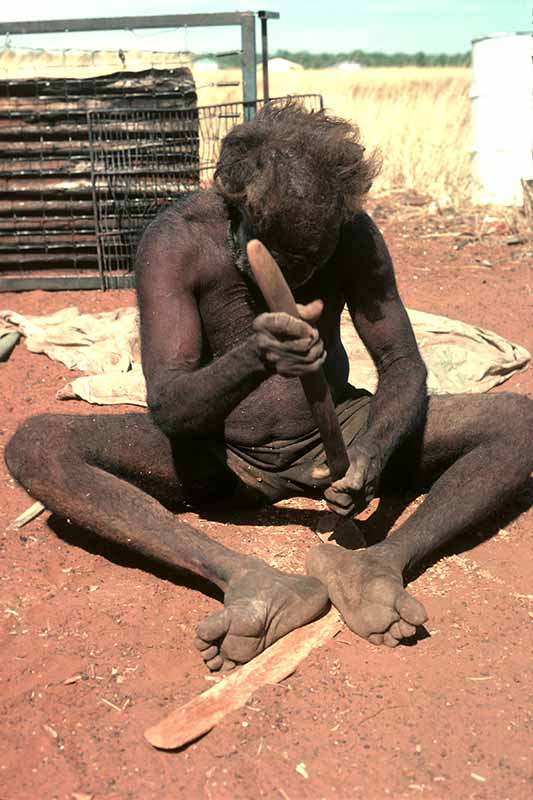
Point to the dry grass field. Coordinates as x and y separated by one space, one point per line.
418 118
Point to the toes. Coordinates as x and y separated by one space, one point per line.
402 629
228 665
376 638
215 663
200 644
371 619
390 640
410 609
406 629
214 626
210 653
395 630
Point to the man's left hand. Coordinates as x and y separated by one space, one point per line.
352 493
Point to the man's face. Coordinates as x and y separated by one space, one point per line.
298 264
298 268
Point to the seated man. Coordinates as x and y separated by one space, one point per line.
228 417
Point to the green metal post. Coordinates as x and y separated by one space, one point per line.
249 75
264 53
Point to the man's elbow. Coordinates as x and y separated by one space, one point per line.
163 416
167 415
407 366
174 419
417 379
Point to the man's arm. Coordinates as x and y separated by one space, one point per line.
399 404
184 397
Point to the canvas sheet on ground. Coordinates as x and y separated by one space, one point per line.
459 357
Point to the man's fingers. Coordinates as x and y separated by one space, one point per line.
320 472
296 368
342 511
344 502
337 497
284 325
303 347
316 352
355 506
352 482
312 311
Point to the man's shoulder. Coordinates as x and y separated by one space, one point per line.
189 211
359 224
184 224
361 238
363 255
182 240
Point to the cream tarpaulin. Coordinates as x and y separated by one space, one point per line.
459 357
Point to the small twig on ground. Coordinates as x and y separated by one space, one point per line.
380 711
27 516
110 704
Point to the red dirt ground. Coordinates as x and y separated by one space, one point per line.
93 649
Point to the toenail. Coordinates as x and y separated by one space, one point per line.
215 663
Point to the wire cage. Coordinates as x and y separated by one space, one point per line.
145 158
47 225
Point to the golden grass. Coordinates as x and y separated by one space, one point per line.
17 63
418 118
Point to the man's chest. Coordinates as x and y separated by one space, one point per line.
230 304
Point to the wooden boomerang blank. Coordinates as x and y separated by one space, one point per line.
274 664
279 297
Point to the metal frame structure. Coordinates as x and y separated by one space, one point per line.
47 212
244 19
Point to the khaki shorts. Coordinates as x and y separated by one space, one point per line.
282 469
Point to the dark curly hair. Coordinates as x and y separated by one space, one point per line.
296 173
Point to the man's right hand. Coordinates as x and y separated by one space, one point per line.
292 347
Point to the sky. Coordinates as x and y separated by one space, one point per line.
435 26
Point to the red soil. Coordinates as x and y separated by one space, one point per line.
94 649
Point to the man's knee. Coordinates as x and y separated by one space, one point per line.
515 417
516 412
29 450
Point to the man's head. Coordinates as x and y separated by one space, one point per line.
294 176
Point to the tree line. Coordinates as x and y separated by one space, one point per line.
366 59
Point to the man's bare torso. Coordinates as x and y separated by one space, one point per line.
228 303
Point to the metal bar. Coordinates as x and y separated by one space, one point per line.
264 54
128 23
225 53
249 71
30 283
119 281
96 219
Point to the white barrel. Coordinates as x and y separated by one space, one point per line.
502 117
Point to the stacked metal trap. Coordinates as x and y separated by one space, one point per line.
47 220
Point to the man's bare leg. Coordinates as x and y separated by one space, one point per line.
108 475
478 449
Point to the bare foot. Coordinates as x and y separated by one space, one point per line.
367 588
261 605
